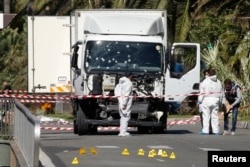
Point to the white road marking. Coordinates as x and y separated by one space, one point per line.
107 147
210 149
160 147
45 160
160 160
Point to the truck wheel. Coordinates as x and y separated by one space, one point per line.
82 125
75 127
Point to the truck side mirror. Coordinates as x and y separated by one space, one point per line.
74 58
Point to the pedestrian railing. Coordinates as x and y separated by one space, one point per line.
19 126
6 118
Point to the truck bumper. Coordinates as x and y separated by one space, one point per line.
131 123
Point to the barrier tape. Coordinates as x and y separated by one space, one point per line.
192 120
14 91
26 98
68 97
22 94
26 92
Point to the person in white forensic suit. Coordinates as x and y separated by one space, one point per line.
125 100
210 97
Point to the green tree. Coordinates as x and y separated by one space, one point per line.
13 58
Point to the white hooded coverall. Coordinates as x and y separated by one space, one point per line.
210 97
125 98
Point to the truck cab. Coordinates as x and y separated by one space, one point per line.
107 45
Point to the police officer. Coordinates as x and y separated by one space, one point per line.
231 100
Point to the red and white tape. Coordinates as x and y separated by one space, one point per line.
50 98
192 120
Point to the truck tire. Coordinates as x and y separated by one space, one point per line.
75 127
82 125
75 109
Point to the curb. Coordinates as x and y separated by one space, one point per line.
243 125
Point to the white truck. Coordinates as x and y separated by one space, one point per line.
108 44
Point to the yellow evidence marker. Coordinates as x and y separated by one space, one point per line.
140 152
125 152
75 161
82 151
172 155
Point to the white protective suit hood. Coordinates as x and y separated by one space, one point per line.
126 88
123 80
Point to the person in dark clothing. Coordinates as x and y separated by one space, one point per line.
6 87
231 101
6 90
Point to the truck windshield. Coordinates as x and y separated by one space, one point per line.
113 56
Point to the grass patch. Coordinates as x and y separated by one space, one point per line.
247 119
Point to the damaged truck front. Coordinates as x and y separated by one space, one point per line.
107 45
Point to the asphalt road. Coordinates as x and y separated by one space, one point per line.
179 146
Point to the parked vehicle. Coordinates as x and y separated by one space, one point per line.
108 44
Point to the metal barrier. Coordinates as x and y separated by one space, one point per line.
21 127
6 118
27 133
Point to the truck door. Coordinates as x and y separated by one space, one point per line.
183 71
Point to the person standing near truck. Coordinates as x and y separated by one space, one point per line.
205 72
210 98
124 91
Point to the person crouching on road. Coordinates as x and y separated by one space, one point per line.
125 103
210 97
231 101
